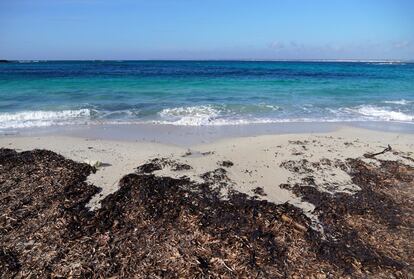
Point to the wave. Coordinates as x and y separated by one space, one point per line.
387 63
377 113
215 116
398 102
207 115
29 61
42 118
190 116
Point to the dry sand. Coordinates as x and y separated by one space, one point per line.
261 161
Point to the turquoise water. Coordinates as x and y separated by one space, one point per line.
34 94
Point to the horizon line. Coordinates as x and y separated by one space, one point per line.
206 60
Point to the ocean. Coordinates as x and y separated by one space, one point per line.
201 93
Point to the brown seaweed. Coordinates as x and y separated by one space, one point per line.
161 227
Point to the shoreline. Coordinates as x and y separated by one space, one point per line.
181 135
255 155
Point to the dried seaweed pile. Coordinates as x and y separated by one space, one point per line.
160 163
41 196
372 231
160 227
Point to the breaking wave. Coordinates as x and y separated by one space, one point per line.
189 116
210 115
378 113
398 102
43 118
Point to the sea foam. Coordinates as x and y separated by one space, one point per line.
398 102
384 114
42 118
189 116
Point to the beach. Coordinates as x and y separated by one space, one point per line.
207 139
256 160
315 183
206 169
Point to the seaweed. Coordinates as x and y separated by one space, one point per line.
176 228
226 164
159 163
350 220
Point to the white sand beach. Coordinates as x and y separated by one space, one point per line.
265 161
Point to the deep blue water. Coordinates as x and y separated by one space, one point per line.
203 92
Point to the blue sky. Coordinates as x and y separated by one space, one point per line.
207 29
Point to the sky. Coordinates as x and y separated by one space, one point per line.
206 29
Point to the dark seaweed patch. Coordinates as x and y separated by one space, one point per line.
381 202
174 228
160 163
226 164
